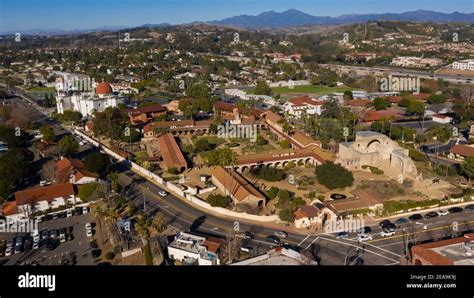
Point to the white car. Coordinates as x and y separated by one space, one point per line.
69 213
281 234
85 210
89 233
387 233
163 193
443 212
62 238
88 226
364 237
36 245
81 143
9 251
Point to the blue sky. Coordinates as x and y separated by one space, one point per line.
83 14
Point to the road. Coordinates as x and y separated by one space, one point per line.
330 251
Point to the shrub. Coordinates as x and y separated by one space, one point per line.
272 192
268 173
216 200
286 215
110 255
334 176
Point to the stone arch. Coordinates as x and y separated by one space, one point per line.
373 145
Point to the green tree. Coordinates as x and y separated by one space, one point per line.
262 88
467 167
48 133
381 103
222 157
415 107
97 163
286 215
68 145
436 99
86 191
333 175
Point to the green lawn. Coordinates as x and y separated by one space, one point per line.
307 89
41 89
211 140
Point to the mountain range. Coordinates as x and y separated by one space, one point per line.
288 18
293 17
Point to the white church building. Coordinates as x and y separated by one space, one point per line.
79 93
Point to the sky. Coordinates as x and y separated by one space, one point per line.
88 14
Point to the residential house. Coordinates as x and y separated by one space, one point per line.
73 171
192 249
303 105
312 215
39 199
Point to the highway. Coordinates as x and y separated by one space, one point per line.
385 71
329 250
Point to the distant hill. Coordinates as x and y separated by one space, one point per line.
293 17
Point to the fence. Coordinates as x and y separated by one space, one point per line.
177 190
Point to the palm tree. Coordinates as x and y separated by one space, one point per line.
142 225
113 177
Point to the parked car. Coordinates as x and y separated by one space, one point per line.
384 223
415 216
88 226
47 217
10 242
77 211
469 207
455 210
62 214
273 238
62 238
36 245
44 234
364 231
401 220
443 212
387 233
53 234
9 251
389 227
17 249
364 237
281 234
89 233
19 240
163 193
55 216
431 214
245 248
69 213
247 235
85 210
342 235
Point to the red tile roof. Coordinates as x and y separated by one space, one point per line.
235 184
463 150
172 155
45 193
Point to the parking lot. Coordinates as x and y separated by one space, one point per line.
76 248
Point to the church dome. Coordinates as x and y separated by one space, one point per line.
103 88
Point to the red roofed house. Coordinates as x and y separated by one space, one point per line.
460 152
312 215
299 105
372 116
455 251
74 171
146 114
39 199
